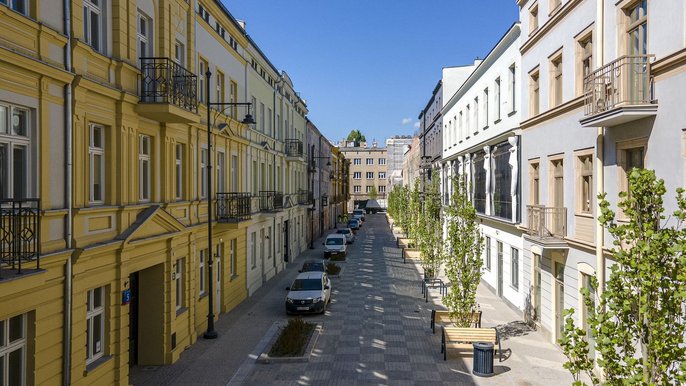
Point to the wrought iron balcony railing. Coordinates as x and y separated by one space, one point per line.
547 222
270 201
305 197
624 81
19 233
294 148
162 80
233 207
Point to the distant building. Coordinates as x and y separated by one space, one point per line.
368 171
396 146
411 163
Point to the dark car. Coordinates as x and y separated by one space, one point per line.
313 266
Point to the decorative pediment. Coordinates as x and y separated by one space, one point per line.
151 222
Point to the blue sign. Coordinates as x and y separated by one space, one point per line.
125 297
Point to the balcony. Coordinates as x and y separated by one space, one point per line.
19 234
619 92
547 225
168 92
294 150
270 201
305 197
233 207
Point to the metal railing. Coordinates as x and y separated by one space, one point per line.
547 222
19 233
294 148
233 207
162 80
305 197
624 81
270 200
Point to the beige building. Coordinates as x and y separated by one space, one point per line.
368 172
411 163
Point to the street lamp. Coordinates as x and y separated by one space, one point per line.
211 333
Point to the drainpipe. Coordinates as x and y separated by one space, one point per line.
600 172
66 362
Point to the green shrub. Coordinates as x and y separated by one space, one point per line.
293 339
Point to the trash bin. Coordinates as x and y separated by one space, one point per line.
483 359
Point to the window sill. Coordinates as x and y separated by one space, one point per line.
181 311
496 121
511 113
203 295
583 214
476 133
233 277
516 289
96 364
484 128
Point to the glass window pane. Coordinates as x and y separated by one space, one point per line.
20 171
2 336
97 297
97 334
3 119
15 367
95 30
97 177
19 121
16 328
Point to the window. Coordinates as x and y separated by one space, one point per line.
144 168
584 62
496 99
203 173
93 24
369 189
534 188
203 13
253 250
202 69
220 87
179 53
221 171
480 176
382 161
488 253
533 19
270 130
357 161
460 129
556 81
370 175
513 87
630 155
637 29
202 272
467 126
485 108
585 183
357 189
13 350
476 115
233 257
370 161
178 280
534 94
382 189
502 181
96 154
357 175
95 324
178 171
21 7
514 268
382 175
144 35
262 119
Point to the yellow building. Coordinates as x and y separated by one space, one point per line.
103 160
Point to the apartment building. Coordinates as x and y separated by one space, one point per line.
411 169
367 171
105 194
396 146
481 144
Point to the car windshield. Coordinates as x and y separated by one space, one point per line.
334 241
344 231
306 285
319 267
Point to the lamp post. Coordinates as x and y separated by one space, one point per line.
211 333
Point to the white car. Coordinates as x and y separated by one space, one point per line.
358 213
335 244
348 233
309 293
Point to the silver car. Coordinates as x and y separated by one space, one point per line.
349 236
309 293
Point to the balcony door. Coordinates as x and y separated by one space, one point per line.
637 35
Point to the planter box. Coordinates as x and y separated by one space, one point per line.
265 358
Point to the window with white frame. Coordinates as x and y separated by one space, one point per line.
144 35
382 161
382 175
488 253
203 173
262 118
484 108
233 257
369 189
357 175
370 161
514 268
496 99
357 189
178 170
202 69
20 6
513 87
93 21
221 171
13 350
96 154
144 168
357 161
467 126
180 53
534 93
95 324
15 145
178 281
253 250
382 189
370 175
476 115
202 272
556 81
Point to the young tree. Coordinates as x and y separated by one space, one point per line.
463 248
414 211
430 231
639 323
373 194
357 136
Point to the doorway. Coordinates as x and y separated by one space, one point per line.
133 319
285 241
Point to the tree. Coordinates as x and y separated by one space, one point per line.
373 194
430 231
639 323
463 247
414 211
357 136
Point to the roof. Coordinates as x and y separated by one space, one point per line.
311 274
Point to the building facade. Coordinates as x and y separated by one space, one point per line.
411 170
367 174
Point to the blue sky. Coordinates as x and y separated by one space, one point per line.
371 64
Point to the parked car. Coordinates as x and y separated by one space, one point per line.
313 266
335 244
309 293
354 224
358 213
349 236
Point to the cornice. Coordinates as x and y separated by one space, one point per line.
669 63
552 22
564 108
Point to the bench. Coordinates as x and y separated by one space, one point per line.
461 339
443 317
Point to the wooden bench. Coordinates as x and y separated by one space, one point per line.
443 317
462 339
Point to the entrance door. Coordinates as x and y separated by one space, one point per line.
537 287
218 282
500 268
559 298
285 241
133 320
